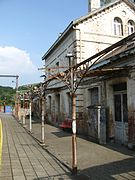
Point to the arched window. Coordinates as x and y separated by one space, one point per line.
131 27
118 27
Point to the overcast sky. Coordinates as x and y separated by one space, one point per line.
27 29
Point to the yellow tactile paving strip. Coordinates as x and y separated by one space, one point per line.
1 140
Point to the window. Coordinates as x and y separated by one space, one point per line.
120 102
131 27
117 107
120 87
118 28
107 1
94 96
120 107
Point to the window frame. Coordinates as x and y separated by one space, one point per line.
131 27
118 26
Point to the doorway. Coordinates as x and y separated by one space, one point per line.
121 113
57 108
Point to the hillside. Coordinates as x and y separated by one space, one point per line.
7 95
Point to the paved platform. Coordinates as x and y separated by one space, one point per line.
23 158
95 162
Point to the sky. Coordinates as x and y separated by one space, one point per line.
27 30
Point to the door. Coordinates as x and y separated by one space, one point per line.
121 117
57 110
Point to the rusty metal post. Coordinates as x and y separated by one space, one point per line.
23 120
30 121
74 142
73 96
42 122
17 99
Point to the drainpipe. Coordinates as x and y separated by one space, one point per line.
80 41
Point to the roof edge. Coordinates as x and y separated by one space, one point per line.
58 39
75 22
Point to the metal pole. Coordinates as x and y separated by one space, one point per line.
4 106
23 120
17 103
42 123
30 123
74 142
99 109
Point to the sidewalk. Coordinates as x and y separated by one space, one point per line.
95 161
23 158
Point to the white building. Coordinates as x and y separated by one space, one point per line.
106 23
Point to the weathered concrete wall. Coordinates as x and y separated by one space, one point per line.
58 114
65 109
95 111
131 107
110 104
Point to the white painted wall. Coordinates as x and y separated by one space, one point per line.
97 33
91 36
